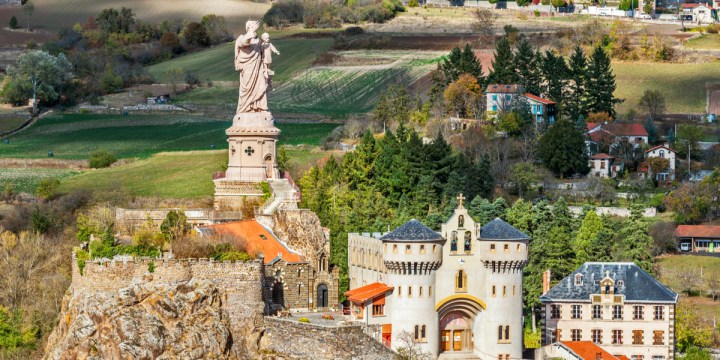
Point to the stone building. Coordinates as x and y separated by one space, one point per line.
618 306
457 292
291 281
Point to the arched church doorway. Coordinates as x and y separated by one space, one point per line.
456 332
268 166
322 296
278 296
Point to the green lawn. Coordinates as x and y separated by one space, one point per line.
705 42
217 63
75 136
11 123
167 175
683 85
675 264
27 179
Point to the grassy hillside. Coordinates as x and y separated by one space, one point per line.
672 265
217 63
74 136
682 84
53 15
27 179
174 175
705 42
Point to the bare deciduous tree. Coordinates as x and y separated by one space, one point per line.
409 348
484 21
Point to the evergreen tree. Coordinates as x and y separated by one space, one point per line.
393 107
636 243
504 70
649 126
527 67
589 231
562 149
479 179
520 216
461 62
555 72
358 165
600 84
575 100
501 206
481 210
580 124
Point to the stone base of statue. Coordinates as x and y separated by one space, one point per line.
252 141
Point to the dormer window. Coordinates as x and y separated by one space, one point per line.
461 221
578 280
620 283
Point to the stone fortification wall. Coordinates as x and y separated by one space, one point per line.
297 340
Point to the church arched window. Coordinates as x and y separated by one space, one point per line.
468 242
461 221
453 242
461 281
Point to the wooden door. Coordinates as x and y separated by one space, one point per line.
457 340
445 340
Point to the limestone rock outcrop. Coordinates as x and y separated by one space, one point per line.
302 231
146 321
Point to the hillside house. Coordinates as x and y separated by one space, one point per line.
608 135
500 97
543 110
701 13
617 306
605 166
698 238
662 151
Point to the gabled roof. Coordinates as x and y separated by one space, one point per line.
698 231
660 147
256 238
592 125
412 230
600 134
504 89
601 156
625 129
636 286
539 99
500 230
367 292
587 350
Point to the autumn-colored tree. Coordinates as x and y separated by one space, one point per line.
464 96
657 165
690 329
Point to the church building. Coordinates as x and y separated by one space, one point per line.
456 293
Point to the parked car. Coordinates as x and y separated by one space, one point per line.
643 16
685 247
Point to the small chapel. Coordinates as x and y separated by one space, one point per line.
456 293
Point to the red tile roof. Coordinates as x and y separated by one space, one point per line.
698 231
257 239
504 89
623 357
626 129
588 350
602 156
539 99
690 6
601 135
659 147
592 125
367 292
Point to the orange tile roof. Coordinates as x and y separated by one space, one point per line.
539 99
626 129
257 239
601 156
367 292
622 357
659 147
588 350
701 231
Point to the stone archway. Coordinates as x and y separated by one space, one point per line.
457 315
278 294
322 296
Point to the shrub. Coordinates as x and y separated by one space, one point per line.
284 11
47 188
304 320
13 22
413 3
151 267
354 31
234 256
196 35
712 29
81 256
101 159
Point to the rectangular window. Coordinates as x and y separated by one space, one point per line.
617 337
576 334
617 312
637 337
518 248
420 292
492 248
658 337
429 290
493 291
638 312
504 290
378 310
409 291
597 312
422 249
576 312
399 291
637 357
506 248
555 311
394 249
659 313
408 249
597 336
658 357
494 97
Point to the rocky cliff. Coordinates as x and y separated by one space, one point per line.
302 231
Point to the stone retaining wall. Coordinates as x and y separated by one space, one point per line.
297 340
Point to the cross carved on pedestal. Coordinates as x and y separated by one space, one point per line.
249 151
460 200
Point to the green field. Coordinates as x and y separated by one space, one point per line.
76 136
27 179
11 123
682 84
705 42
217 63
675 264
53 15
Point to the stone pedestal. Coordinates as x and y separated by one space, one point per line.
252 153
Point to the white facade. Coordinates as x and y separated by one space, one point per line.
666 153
458 294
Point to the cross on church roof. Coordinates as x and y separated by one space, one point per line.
460 199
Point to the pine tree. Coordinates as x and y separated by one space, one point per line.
636 242
504 70
600 84
589 231
575 99
562 149
555 72
481 210
527 67
649 126
520 216
461 62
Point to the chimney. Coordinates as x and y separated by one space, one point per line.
546 282
598 356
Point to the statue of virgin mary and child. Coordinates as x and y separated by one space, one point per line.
253 71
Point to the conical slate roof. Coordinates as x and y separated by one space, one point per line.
500 230
412 230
